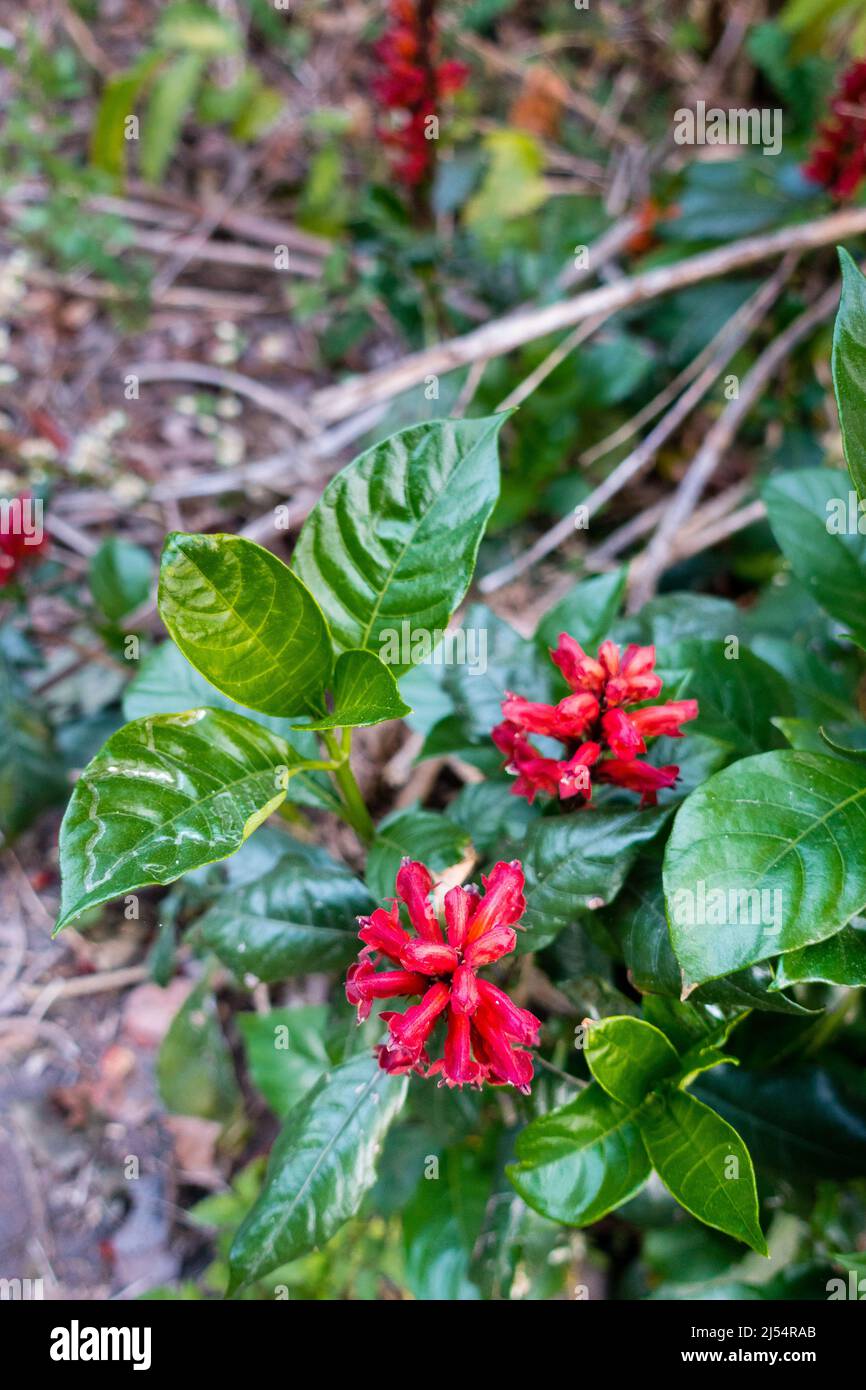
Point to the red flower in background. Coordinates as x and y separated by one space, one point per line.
485 1030
19 545
413 83
838 160
603 740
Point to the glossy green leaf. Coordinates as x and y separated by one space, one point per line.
441 1226
577 862
167 794
286 1052
840 960
394 537
245 622
298 916
194 1068
587 612
321 1165
704 1163
849 368
815 520
120 576
424 835
579 1162
170 102
628 1057
167 683
765 858
364 692
737 697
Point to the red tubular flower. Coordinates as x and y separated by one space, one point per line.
485 1030
18 546
603 734
838 158
412 83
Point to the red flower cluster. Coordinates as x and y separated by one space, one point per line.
484 1027
838 159
412 82
17 548
593 724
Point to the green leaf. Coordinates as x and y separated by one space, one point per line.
170 102
514 183
579 1162
31 775
816 528
194 28
108 143
194 1069
849 368
165 795
298 916
364 692
775 839
120 575
425 835
167 684
841 960
737 697
704 1163
628 1057
577 862
245 622
587 612
321 1165
286 1052
394 537
441 1226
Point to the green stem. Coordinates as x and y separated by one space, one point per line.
356 810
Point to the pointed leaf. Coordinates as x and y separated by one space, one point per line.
165 795
245 622
704 1163
394 537
629 1057
321 1165
364 692
840 960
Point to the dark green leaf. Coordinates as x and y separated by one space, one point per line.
299 916
31 776
579 1162
245 622
394 537
120 577
321 1165
424 835
286 1052
587 613
737 696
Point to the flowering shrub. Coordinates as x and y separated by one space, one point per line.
717 922
838 159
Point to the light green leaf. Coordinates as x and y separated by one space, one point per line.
170 101
394 537
849 368
628 1057
245 622
165 795
704 1163
580 1162
120 576
298 916
775 840
286 1052
194 28
108 143
321 1165
364 692
514 183
31 773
